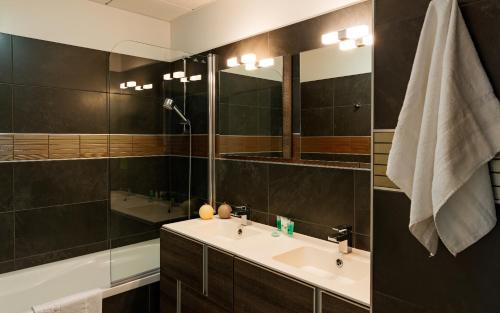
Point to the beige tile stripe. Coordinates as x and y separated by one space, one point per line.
382 142
24 147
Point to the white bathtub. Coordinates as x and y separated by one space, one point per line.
22 289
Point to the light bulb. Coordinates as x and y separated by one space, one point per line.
330 38
248 58
195 78
347 45
179 74
147 86
250 67
123 86
266 62
167 77
357 32
139 88
232 62
131 83
184 80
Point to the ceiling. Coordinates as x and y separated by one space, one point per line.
166 10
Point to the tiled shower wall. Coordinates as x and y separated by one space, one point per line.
47 207
405 279
316 198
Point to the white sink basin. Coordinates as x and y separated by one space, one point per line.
323 264
229 230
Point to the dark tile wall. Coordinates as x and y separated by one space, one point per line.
316 198
145 299
405 279
327 106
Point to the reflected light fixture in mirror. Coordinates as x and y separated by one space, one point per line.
233 62
123 86
356 32
179 74
167 77
139 88
365 41
131 84
195 78
248 58
184 80
266 62
346 45
330 38
147 86
250 67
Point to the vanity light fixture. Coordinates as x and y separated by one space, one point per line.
266 62
131 83
147 86
195 78
346 45
184 80
250 67
123 86
365 41
167 76
232 62
139 88
356 32
249 58
330 38
179 74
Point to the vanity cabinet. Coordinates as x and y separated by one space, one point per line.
194 302
334 304
220 278
182 259
258 290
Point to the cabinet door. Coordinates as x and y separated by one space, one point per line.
182 259
193 302
220 278
258 290
334 304
168 294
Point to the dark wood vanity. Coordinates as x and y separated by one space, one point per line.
196 277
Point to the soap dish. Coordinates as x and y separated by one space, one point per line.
275 233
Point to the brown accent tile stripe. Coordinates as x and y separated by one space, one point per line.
336 144
382 146
233 144
64 146
6 147
94 146
31 146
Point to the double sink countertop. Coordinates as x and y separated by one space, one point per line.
304 258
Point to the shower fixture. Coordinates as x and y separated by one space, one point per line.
169 105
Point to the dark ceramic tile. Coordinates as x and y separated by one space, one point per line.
60 227
270 122
41 184
179 179
197 112
362 202
314 230
361 242
132 301
7 266
242 183
260 217
352 121
354 89
243 120
317 94
393 60
317 122
131 114
44 63
5 108
6 187
59 111
134 238
122 225
6 236
383 303
5 58
295 38
392 11
320 195
399 258
59 255
482 20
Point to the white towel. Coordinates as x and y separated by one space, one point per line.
84 302
448 129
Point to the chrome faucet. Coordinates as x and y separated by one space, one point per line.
343 238
242 212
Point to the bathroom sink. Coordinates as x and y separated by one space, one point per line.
227 230
323 264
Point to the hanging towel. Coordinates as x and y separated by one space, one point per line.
85 302
448 129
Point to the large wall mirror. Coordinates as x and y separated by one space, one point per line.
335 105
250 111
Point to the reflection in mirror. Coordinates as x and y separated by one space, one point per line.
335 105
250 113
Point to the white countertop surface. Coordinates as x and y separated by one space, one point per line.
352 281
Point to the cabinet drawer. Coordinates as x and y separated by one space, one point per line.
182 259
258 290
220 278
168 295
334 304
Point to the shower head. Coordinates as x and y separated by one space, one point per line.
169 105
